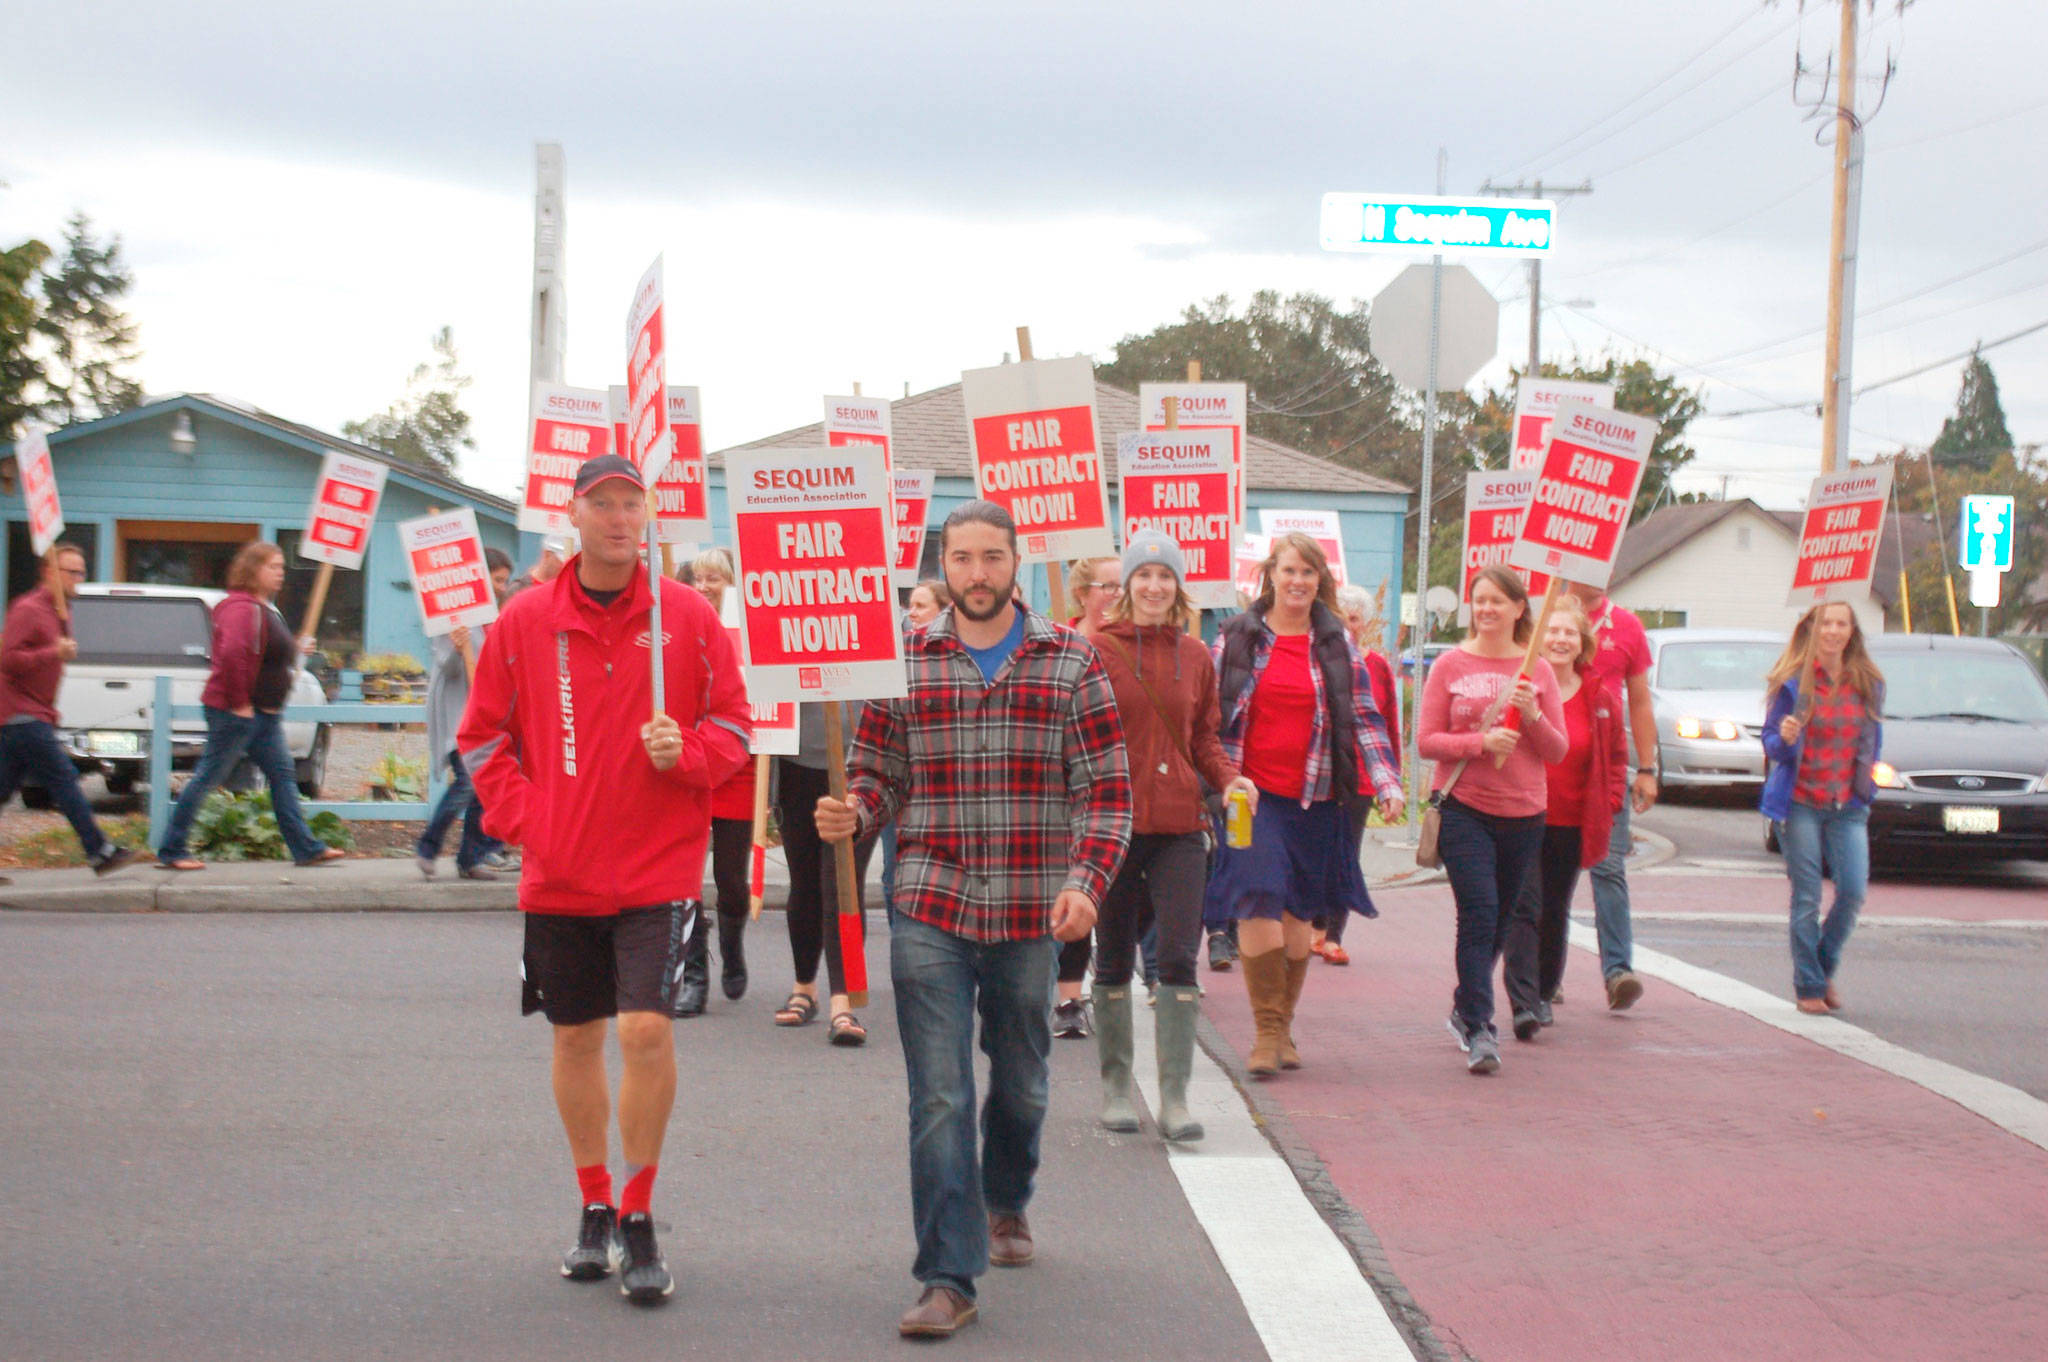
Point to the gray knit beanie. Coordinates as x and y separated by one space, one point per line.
1154 546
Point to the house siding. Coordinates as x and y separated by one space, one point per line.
1720 584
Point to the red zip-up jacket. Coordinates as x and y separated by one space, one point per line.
551 738
30 669
1606 769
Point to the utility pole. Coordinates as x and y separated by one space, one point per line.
550 338
1834 415
1518 190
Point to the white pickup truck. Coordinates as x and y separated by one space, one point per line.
127 637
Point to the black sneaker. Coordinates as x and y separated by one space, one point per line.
591 1259
1070 1020
1456 1026
1220 952
113 858
1527 1024
1484 1057
1544 1016
643 1272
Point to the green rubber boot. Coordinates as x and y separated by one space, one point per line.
1113 1047
1177 1009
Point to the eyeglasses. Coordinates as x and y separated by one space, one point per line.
1108 589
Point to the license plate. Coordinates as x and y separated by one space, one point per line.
114 743
1970 820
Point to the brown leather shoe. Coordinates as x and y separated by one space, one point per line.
1009 1240
938 1312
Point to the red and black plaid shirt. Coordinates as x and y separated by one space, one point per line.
1004 793
1828 744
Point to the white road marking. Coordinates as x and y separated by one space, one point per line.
1864 922
1303 1291
2003 1105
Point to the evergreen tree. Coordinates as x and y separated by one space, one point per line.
1976 435
427 426
89 339
21 374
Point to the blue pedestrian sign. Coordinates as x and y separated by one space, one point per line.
1986 539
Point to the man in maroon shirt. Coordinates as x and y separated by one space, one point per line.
34 646
1622 666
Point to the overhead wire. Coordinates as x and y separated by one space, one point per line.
1773 88
1943 362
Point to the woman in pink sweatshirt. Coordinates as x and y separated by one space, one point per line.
1489 731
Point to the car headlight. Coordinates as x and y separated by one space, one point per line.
1688 728
1887 775
1727 730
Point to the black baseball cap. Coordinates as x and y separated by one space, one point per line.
604 466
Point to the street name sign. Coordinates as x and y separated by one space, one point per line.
1415 224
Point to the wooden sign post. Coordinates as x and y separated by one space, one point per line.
757 882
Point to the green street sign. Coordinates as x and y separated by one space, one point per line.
1411 224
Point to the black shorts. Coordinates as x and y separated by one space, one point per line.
579 968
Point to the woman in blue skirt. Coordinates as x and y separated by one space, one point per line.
1298 720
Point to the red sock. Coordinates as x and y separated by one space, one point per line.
595 1180
639 1190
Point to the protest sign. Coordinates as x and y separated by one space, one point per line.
815 548
445 555
1247 566
859 421
1536 402
913 508
1178 482
775 732
1494 506
1838 538
567 427
1203 406
1322 526
647 431
1032 427
682 503
39 489
1584 493
344 507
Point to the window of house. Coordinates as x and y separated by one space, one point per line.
1662 619
1742 538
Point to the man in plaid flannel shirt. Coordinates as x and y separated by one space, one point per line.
1004 768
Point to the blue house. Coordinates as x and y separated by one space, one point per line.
930 431
167 492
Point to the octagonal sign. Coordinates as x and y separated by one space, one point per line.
1468 332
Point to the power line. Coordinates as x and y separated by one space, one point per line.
1930 318
1643 93
1700 131
1979 349
1733 222
1957 132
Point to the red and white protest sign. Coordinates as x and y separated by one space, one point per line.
682 501
1203 406
1322 526
344 507
1178 482
647 432
775 722
1536 402
1494 506
859 421
1838 539
39 489
1247 566
913 509
1584 493
568 427
1032 426
815 548
445 555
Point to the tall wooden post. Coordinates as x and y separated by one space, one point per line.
1841 233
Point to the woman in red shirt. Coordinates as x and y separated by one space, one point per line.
1585 792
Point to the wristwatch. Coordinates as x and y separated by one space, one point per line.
1650 771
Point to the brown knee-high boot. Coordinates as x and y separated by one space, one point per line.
1297 974
1265 983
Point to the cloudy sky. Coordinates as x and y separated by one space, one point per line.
882 192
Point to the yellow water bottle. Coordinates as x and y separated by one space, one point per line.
1237 820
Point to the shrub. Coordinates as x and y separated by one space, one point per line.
232 827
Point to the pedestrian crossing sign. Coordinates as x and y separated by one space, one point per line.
1985 542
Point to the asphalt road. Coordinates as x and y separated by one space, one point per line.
330 1136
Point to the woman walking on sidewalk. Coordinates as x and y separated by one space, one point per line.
1585 791
254 661
1822 747
1298 720
732 844
1362 620
1166 695
813 909
1492 816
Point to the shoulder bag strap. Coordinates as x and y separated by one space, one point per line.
1172 730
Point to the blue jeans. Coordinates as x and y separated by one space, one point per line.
229 738
941 982
1843 837
889 872
458 800
1486 859
30 748
1610 899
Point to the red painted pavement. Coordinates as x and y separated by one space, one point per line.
1678 1181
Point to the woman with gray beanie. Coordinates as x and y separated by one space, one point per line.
1166 696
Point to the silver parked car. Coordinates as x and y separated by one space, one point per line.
1707 686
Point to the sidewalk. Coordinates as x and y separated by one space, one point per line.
1677 1180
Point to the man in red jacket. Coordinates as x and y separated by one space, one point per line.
35 646
613 812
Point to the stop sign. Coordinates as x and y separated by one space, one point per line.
1468 330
